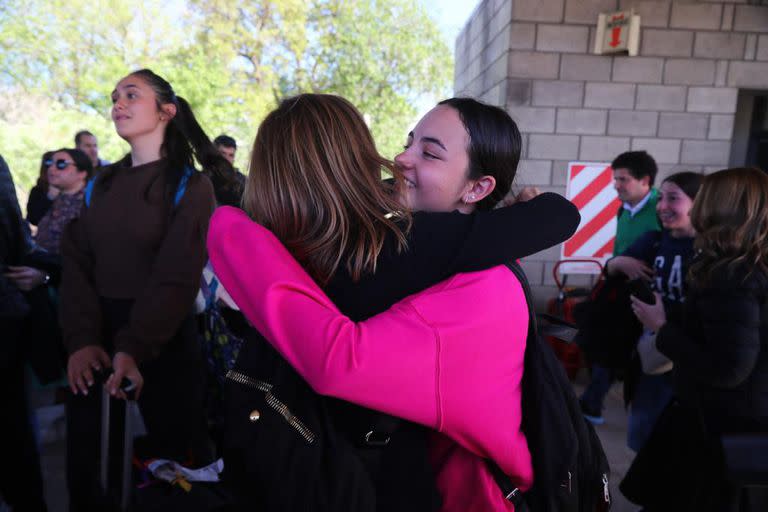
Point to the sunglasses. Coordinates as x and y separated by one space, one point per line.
60 164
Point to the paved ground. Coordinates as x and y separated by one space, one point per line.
612 434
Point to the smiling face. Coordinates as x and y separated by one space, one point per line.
435 162
674 208
135 111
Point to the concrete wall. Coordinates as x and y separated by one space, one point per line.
677 99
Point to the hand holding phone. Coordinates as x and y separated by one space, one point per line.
641 289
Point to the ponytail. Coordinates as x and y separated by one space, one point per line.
185 138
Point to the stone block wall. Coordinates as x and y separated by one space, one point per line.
677 99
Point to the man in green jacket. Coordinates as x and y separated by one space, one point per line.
634 173
633 177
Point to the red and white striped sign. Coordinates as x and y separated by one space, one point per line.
590 188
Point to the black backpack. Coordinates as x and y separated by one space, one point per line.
284 450
569 465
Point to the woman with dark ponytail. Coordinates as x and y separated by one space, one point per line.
185 141
132 265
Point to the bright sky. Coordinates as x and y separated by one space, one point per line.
451 15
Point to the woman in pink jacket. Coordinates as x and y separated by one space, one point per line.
449 358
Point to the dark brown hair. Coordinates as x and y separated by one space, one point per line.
315 182
495 145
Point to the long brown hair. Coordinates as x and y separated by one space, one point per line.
315 181
730 216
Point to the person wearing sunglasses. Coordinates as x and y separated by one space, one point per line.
68 172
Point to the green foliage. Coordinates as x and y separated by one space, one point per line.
233 60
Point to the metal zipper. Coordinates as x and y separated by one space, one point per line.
292 420
245 380
274 403
606 491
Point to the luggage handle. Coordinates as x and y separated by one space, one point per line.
556 274
129 388
126 385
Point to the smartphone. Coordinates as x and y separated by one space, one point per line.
641 289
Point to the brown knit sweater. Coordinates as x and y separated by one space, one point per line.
132 243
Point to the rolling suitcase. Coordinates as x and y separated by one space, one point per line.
153 494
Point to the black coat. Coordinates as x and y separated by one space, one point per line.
720 352
13 305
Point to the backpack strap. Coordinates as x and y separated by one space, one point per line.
511 492
182 188
89 190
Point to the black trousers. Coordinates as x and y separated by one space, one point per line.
171 404
21 482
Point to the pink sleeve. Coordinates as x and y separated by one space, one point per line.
334 355
450 357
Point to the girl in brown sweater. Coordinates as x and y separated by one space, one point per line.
132 266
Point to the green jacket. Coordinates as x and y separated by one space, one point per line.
631 227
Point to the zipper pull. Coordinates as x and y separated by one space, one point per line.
569 482
606 492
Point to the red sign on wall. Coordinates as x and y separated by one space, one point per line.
590 188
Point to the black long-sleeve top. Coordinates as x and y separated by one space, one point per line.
443 244
720 352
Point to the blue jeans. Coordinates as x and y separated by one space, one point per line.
598 387
652 394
